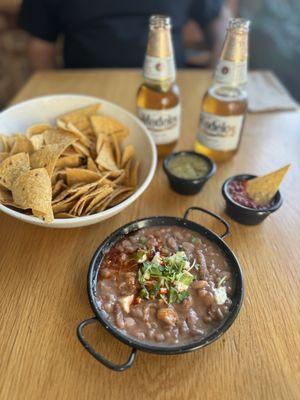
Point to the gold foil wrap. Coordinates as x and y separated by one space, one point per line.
236 42
159 38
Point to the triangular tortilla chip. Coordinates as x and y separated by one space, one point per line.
106 125
105 158
32 190
104 192
21 145
116 149
69 161
58 188
58 136
80 175
123 194
36 129
84 201
3 155
63 206
91 165
4 147
127 154
47 157
81 118
37 141
263 189
12 167
81 149
106 202
99 143
69 127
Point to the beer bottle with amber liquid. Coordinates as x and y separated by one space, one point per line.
158 104
224 105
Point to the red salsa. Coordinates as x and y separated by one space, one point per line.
237 191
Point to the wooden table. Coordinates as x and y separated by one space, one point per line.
43 277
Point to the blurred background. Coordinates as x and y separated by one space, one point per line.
274 43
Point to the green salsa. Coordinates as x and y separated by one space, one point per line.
188 166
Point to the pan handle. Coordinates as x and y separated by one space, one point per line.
99 357
225 223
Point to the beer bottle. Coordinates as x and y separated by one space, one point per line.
224 105
158 103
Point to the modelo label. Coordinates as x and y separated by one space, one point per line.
159 69
164 125
220 133
230 72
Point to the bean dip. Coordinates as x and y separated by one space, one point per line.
166 285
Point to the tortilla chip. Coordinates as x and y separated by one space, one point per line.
58 188
5 195
12 167
10 141
58 136
104 192
105 158
37 141
46 157
4 146
75 191
91 165
116 181
105 203
32 190
69 161
99 143
64 206
36 129
106 125
69 127
116 149
64 215
84 201
133 180
80 175
81 118
263 189
58 174
127 172
123 194
69 151
21 145
127 154
81 149
3 156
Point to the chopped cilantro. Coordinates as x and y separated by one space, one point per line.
168 277
143 240
144 294
140 256
154 289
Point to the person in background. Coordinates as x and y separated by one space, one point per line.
112 33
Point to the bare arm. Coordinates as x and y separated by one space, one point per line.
41 54
215 33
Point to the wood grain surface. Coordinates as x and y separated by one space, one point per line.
43 276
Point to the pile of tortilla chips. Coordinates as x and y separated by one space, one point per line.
74 169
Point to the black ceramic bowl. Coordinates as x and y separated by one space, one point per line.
246 215
188 186
136 344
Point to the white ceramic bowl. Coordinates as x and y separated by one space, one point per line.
46 109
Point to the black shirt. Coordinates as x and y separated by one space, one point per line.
110 33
